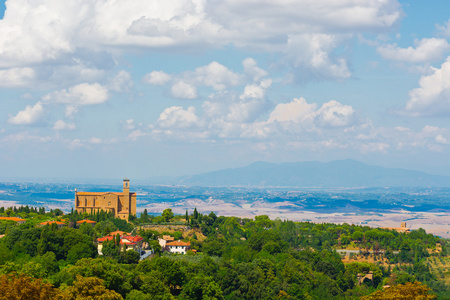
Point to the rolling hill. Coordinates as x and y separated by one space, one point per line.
342 173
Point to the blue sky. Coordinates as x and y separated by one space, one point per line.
155 88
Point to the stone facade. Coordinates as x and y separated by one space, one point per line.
122 205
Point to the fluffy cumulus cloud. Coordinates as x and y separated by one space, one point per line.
177 117
121 82
251 116
30 115
157 78
61 125
330 114
81 94
335 114
297 111
16 77
184 90
214 75
38 32
425 50
432 97
312 56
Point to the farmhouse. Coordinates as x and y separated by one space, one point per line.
178 247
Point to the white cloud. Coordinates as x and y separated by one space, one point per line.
432 98
246 111
177 117
445 30
184 90
121 82
335 114
157 78
251 69
214 75
16 77
129 124
256 91
61 125
136 134
38 32
426 50
97 141
311 57
81 94
332 114
297 111
441 140
30 115
71 110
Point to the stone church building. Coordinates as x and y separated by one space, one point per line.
121 204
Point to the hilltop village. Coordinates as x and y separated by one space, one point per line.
103 250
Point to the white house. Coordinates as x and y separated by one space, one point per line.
178 247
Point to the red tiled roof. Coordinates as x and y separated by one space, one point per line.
105 238
178 243
87 221
51 222
133 240
118 232
12 219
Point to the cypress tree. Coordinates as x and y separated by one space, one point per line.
195 213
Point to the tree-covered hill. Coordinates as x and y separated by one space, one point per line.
239 259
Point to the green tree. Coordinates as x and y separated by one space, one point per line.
110 250
167 214
79 251
202 287
89 288
129 257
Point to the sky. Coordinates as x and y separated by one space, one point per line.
138 89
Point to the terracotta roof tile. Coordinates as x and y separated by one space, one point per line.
178 243
87 221
51 222
12 219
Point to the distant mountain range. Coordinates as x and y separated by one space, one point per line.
342 173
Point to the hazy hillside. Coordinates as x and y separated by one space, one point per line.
342 173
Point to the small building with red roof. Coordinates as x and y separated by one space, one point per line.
179 247
118 232
127 242
59 224
79 223
15 219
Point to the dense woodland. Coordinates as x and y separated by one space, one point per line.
236 259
